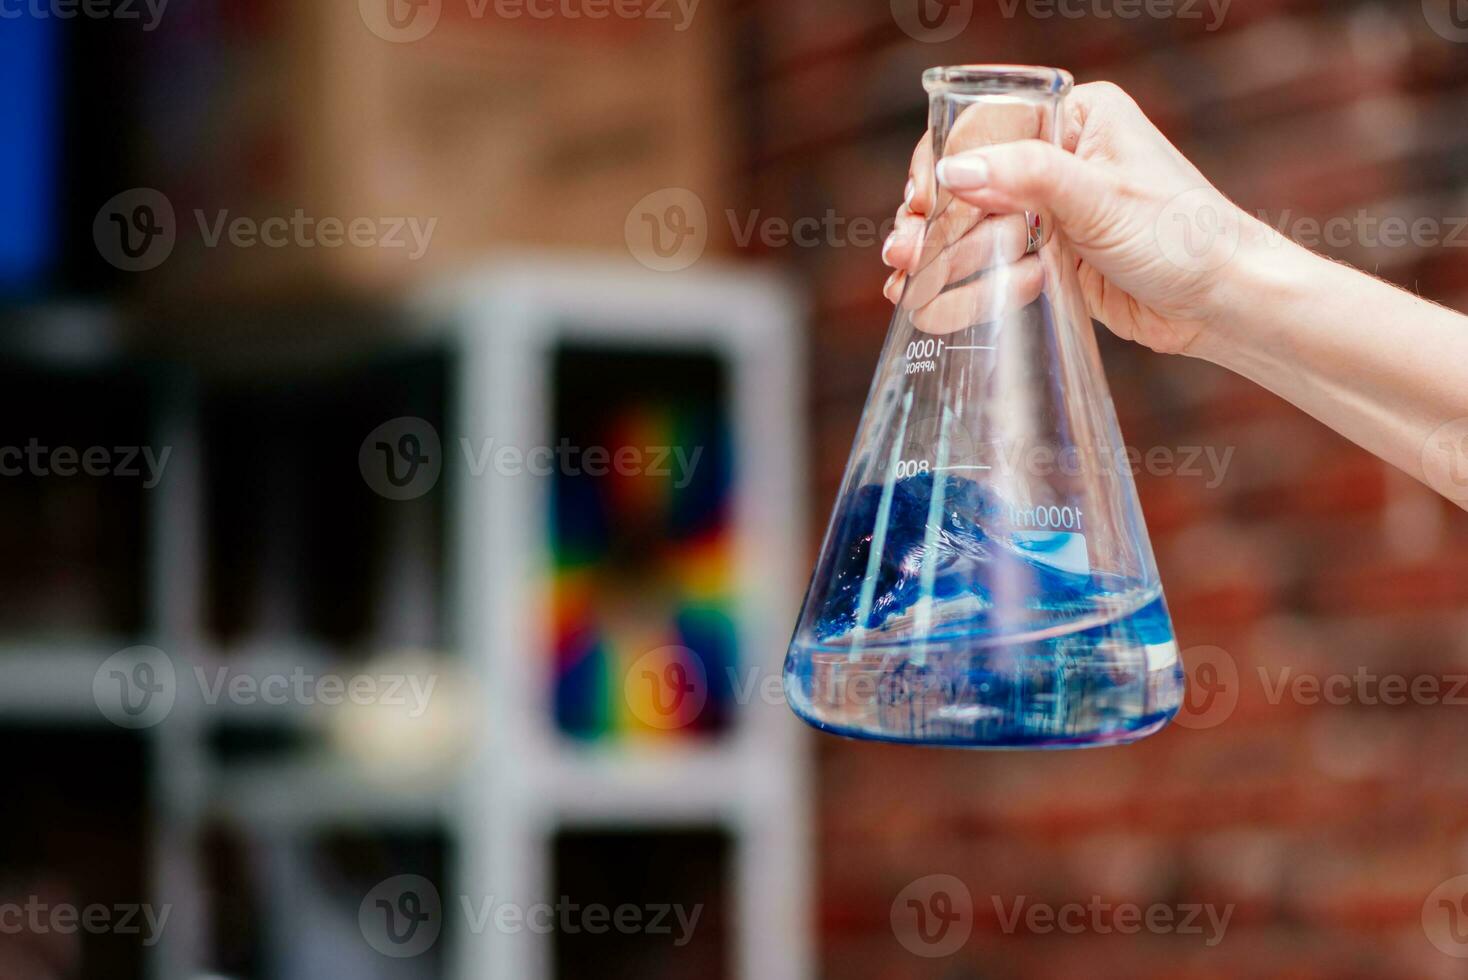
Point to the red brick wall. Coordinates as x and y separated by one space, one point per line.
1325 826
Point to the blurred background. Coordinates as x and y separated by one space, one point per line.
418 421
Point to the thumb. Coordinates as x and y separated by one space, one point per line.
1029 175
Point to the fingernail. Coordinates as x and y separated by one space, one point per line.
891 281
887 248
963 173
907 194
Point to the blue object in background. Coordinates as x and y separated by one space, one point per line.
29 109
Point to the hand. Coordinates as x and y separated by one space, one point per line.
1114 190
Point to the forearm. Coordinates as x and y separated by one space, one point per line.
1383 367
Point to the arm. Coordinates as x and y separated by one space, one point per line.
1384 368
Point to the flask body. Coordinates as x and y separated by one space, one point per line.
986 579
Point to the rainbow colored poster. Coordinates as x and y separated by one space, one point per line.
642 544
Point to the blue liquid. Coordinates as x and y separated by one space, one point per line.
975 634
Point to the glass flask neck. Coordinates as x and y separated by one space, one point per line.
980 105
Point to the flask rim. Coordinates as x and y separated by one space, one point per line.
1010 80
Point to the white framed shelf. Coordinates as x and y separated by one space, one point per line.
508 323
51 681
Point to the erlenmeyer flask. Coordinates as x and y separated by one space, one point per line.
986 579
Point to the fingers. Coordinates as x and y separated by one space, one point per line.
988 123
903 246
1098 107
977 126
957 244
996 241
902 249
1030 175
987 298
894 285
920 189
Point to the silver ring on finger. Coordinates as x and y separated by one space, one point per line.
1036 234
